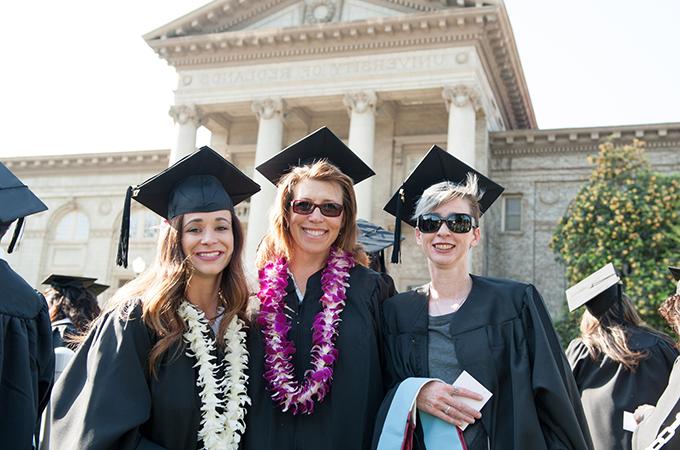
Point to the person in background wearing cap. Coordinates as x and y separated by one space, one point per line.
26 356
498 331
654 421
315 354
73 306
164 367
618 362
375 240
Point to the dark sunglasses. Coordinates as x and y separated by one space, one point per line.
305 207
456 222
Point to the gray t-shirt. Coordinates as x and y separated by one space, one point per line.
443 364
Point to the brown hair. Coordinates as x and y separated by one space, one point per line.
609 334
278 241
74 303
670 311
162 288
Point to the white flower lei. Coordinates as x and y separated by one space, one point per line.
218 430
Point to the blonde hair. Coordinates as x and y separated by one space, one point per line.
609 334
279 243
161 289
445 191
670 311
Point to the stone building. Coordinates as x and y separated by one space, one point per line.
390 77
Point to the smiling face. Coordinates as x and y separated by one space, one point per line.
208 241
445 249
313 234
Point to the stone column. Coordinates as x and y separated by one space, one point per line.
269 142
361 107
187 120
462 103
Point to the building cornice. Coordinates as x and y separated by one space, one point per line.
99 161
486 27
570 140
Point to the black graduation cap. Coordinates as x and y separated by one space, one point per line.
60 281
675 271
436 166
201 182
98 288
372 237
319 145
16 202
598 291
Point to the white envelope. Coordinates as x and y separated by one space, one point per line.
465 380
629 423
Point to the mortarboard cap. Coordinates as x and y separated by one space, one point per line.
319 145
59 281
201 182
16 202
98 288
675 271
599 291
436 166
372 237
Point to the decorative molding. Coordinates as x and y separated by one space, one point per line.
580 140
360 102
267 108
183 114
461 96
321 11
99 161
488 27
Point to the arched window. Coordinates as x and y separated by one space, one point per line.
74 226
144 225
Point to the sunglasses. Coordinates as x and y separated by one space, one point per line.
456 222
305 207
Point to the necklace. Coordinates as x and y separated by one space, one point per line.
279 372
448 306
219 430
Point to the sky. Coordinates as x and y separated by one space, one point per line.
77 77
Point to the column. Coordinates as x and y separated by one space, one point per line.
269 142
361 107
462 103
187 120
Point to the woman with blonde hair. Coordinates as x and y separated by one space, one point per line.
462 338
315 354
164 367
618 362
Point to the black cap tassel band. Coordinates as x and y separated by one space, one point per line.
15 236
396 249
124 239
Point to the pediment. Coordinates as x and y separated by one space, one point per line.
233 15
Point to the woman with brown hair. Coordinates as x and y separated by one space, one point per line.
618 362
316 377
164 366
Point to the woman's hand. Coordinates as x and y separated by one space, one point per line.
641 412
442 400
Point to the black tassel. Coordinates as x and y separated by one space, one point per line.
15 236
124 239
396 249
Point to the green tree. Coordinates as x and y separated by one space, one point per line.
628 215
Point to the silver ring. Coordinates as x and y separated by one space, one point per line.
446 411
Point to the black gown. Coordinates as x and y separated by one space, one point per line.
504 338
344 420
26 359
63 331
664 415
608 389
106 398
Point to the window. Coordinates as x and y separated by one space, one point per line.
74 226
144 225
512 213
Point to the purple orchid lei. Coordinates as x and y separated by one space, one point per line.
279 373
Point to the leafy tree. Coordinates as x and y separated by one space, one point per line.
628 215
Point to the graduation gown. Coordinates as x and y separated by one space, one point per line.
106 398
26 359
608 389
504 338
344 419
62 332
663 415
